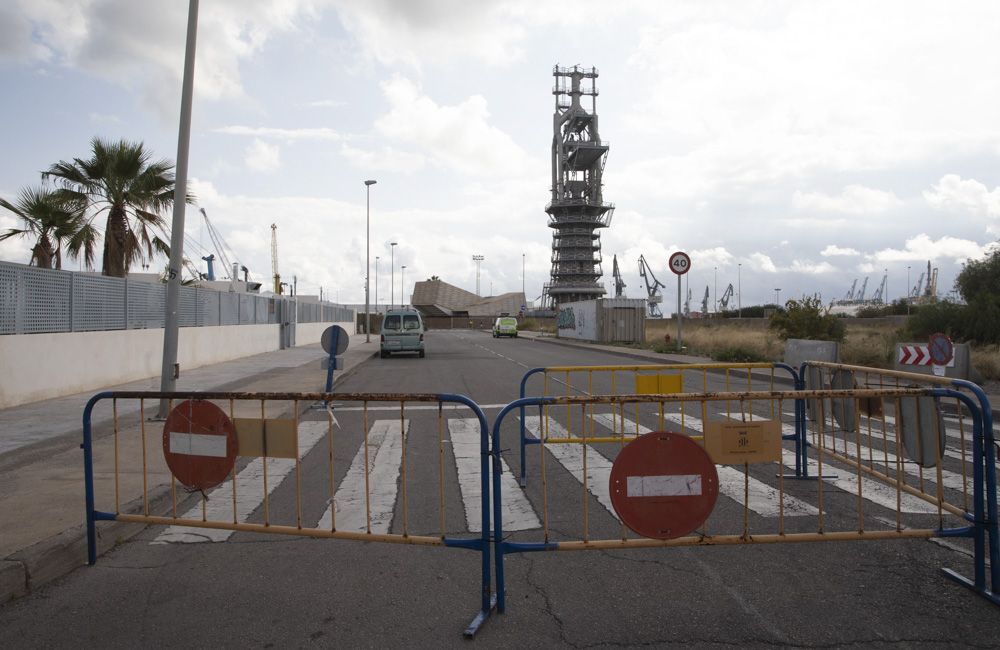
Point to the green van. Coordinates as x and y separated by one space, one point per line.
505 326
402 331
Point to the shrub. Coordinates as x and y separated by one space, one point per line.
738 355
935 317
806 319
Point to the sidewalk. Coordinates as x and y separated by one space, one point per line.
41 465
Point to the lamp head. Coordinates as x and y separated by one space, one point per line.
370 182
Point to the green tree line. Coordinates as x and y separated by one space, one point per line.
119 192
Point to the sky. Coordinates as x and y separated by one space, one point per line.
792 146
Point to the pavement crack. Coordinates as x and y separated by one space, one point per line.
548 609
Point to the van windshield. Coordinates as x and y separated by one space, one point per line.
391 323
411 322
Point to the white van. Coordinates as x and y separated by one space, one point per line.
402 331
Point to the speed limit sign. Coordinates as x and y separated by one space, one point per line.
680 263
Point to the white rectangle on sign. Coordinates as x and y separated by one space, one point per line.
197 444
671 485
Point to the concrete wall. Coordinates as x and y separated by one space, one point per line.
43 366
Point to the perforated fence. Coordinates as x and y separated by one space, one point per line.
35 301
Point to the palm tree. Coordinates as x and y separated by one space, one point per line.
120 179
53 220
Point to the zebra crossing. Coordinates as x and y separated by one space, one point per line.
367 496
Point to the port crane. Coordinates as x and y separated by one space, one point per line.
724 301
221 249
274 259
880 292
619 282
652 289
704 303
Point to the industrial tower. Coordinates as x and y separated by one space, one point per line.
577 208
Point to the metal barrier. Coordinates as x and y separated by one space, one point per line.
917 427
865 502
274 450
651 379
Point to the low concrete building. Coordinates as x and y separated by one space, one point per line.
438 298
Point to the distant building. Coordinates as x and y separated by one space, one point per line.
438 298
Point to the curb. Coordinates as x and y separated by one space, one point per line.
39 564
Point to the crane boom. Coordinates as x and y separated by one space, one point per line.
726 296
619 282
219 244
652 288
274 258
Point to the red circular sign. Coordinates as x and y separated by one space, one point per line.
199 444
941 349
679 263
663 485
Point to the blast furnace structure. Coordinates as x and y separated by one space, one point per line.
577 211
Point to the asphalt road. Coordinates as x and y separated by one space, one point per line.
254 590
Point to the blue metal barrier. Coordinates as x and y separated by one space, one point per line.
481 543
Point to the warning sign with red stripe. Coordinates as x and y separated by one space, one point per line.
199 444
663 485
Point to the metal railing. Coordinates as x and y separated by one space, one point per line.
34 301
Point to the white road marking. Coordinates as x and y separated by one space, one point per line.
516 510
570 456
761 497
249 493
385 457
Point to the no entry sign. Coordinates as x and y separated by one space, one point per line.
199 444
663 485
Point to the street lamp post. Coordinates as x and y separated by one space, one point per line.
477 259
368 263
377 258
523 295
907 289
739 290
392 275
402 285
777 298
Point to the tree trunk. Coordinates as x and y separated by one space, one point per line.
115 234
42 253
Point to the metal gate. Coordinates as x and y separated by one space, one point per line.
270 442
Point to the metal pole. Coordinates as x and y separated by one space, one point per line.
402 285
680 316
392 275
168 379
377 258
368 263
523 296
907 289
716 294
739 290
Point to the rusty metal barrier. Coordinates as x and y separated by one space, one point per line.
229 453
658 379
917 427
876 494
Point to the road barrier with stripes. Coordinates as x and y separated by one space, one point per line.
884 461
399 467
567 381
943 493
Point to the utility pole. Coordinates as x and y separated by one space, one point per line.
171 321
368 262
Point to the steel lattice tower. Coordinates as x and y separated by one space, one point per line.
577 209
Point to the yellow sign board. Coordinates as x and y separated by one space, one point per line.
730 443
271 438
658 384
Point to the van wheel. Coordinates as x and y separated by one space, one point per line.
383 354
421 354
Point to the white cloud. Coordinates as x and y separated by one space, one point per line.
385 159
953 194
762 262
854 199
811 268
290 135
833 250
922 247
262 157
416 32
459 137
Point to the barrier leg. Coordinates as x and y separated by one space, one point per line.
88 481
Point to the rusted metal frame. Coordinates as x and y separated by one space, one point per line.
329 465
267 496
145 470
232 472
733 540
403 481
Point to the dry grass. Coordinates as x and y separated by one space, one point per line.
986 360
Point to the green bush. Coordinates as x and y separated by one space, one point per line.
806 319
737 355
934 317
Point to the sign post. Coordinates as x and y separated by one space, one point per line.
334 341
680 264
